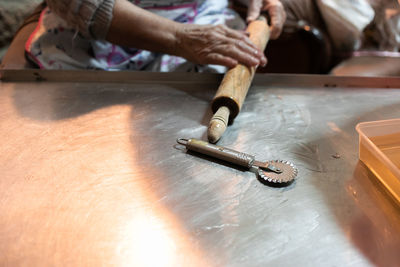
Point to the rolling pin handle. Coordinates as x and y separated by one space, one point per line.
218 124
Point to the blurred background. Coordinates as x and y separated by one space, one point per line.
339 37
12 14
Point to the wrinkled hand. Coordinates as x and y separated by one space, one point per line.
275 10
220 45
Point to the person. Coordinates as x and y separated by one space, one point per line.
163 35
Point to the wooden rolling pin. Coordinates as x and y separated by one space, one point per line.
233 89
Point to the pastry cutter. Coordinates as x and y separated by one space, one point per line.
278 172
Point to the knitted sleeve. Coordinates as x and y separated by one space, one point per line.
91 17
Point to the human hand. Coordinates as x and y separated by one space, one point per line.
274 9
209 44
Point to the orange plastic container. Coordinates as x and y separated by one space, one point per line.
379 149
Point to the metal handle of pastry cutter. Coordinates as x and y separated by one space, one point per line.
229 155
219 152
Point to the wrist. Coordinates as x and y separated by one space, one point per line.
180 31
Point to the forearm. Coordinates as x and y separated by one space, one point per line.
132 26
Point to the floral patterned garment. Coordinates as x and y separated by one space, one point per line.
55 45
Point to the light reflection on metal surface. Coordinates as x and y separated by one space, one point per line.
90 176
85 196
155 239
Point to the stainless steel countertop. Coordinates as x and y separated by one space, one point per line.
91 174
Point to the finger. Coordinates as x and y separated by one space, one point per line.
247 33
242 38
234 52
247 46
253 10
278 17
255 52
265 63
241 35
244 45
219 59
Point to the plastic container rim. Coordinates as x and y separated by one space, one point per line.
386 161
